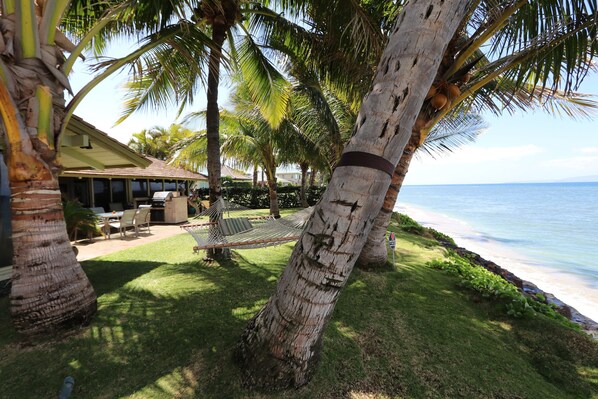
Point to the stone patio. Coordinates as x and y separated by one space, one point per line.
100 246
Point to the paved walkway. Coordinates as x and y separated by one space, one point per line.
99 246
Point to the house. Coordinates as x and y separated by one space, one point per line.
128 186
98 171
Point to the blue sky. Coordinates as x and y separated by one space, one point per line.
525 147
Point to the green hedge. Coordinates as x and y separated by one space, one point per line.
258 197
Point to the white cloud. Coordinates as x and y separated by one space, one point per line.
588 150
477 155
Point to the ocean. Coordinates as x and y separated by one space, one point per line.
546 233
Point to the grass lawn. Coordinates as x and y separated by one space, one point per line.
167 324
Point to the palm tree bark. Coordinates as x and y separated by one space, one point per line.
281 345
312 177
213 123
213 113
374 253
49 290
302 194
273 193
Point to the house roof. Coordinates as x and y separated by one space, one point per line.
85 147
156 170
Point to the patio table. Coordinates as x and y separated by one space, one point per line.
106 216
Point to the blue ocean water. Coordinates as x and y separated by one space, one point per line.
553 224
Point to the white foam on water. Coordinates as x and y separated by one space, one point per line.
569 288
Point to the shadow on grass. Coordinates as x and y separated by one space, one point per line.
153 319
168 330
423 340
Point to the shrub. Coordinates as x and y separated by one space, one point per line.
258 197
491 286
79 219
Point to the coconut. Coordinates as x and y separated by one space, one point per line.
465 78
453 90
431 92
439 100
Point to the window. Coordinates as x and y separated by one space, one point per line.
101 193
155 186
139 188
169 185
119 194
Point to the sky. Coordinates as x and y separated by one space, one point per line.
525 147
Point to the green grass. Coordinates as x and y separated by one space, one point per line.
167 324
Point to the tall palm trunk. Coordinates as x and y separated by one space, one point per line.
213 123
273 192
49 289
302 193
281 345
374 253
255 172
312 177
213 113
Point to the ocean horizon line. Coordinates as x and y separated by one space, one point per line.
503 184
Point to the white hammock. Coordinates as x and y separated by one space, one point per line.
231 226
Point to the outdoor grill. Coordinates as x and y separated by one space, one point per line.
160 198
168 207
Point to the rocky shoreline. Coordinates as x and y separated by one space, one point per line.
528 288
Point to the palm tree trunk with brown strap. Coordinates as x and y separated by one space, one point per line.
282 344
374 254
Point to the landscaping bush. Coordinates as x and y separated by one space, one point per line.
258 197
79 219
491 286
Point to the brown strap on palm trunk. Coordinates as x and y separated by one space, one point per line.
367 160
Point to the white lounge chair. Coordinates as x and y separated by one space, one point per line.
142 218
127 220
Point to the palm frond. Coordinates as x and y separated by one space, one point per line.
267 86
452 132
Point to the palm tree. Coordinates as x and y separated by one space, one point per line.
159 142
173 71
249 139
517 79
282 343
49 288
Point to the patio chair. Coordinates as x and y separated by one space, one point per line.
127 220
142 218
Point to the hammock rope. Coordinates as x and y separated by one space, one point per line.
231 226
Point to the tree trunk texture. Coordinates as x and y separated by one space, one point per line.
49 288
49 291
273 193
281 345
255 172
374 253
312 177
302 192
213 114
213 124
